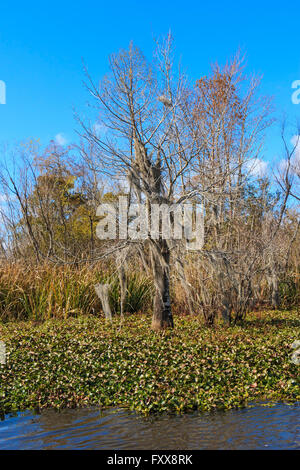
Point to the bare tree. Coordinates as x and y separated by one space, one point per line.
150 140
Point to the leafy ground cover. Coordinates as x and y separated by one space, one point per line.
84 361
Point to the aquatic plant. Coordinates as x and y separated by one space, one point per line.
87 361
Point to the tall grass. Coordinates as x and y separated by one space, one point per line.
139 293
44 292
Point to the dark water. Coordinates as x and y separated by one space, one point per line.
251 428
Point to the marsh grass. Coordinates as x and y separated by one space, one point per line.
44 292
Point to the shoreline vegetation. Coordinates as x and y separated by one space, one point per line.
86 361
155 143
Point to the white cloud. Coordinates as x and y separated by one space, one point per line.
99 129
295 159
5 198
257 167
295 141
60 139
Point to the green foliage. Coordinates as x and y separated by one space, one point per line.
138 296
289 293
86 361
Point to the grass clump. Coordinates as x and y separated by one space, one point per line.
44 292
87 362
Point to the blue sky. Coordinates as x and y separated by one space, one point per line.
42 45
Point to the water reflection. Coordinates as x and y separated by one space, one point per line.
251 428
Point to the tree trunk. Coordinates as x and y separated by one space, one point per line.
275 298
162 315
275 291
